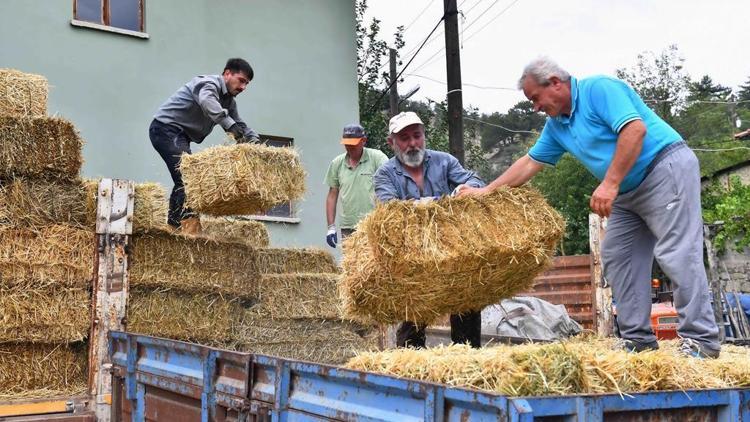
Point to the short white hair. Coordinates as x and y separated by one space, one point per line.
542 69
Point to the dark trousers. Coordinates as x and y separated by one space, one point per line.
171 142
465 328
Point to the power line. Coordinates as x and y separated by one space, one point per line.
491 20
393 82
720 150
464 83
499 126
419 15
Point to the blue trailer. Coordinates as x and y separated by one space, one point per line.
165 380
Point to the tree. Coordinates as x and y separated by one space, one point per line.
707 90
660 80
744 95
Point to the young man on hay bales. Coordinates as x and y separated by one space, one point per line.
420 174
649 190
189 115
350 174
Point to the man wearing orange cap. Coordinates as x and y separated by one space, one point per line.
351 175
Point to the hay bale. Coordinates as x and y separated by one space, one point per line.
241 179
251 232
581 366
56 254
49 314
416 262
208 319
296 296
326 351
22 94
37 202
47 147
149 205
259 329
40 370
289 260
162 259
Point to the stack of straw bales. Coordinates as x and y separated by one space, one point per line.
584 365
251 232
46 255
417 262
241 179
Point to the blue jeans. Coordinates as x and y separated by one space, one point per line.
171 142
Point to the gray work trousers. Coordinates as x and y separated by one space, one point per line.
661 218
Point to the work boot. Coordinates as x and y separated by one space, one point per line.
632 346
191 226
694 349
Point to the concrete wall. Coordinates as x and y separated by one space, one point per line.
109 84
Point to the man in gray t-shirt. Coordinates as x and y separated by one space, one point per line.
189 115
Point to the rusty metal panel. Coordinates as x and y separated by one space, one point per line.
568 283
86 417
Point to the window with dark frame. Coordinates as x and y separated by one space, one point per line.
123 14
282 210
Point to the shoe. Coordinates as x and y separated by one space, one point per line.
694 349
632 346
191 226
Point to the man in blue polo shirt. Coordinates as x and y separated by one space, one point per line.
650 190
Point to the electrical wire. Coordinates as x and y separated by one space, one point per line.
499 126
502 88
720 149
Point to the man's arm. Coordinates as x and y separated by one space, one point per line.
384 189
458 175
208 100
331 199
629 145
517 174
249 134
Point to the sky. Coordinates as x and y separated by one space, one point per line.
586 37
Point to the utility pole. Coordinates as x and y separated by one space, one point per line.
394 84
455 97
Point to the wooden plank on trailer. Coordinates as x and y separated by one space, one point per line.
602 292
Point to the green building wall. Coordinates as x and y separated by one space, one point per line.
109 84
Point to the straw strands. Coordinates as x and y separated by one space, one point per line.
201 318
37 202
35 370
416 262
288 260
259 329
22 94
56 254
297 296
161 259
326 351
149 205
582 366
241 179
48 314
251 232
39 147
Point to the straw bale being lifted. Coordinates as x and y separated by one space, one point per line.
297 296
208 319
416 262
49 314
162 259
22 94
241 179
35 370
57 254
581 366
46 147
38 202
292 260
149 205
251 232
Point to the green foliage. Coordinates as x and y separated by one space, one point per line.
730 204
744 95
568 188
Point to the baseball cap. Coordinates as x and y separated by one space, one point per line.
353 133
402 120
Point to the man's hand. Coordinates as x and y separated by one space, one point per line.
603 198
470 190
237 131
331 237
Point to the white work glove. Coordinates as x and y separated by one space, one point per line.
331 237
457 190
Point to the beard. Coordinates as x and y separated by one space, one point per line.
413 158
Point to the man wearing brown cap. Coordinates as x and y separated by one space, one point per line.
351 175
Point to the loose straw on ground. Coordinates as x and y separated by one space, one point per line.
410 261
241 179
22 94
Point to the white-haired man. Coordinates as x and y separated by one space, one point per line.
417 173
650 190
